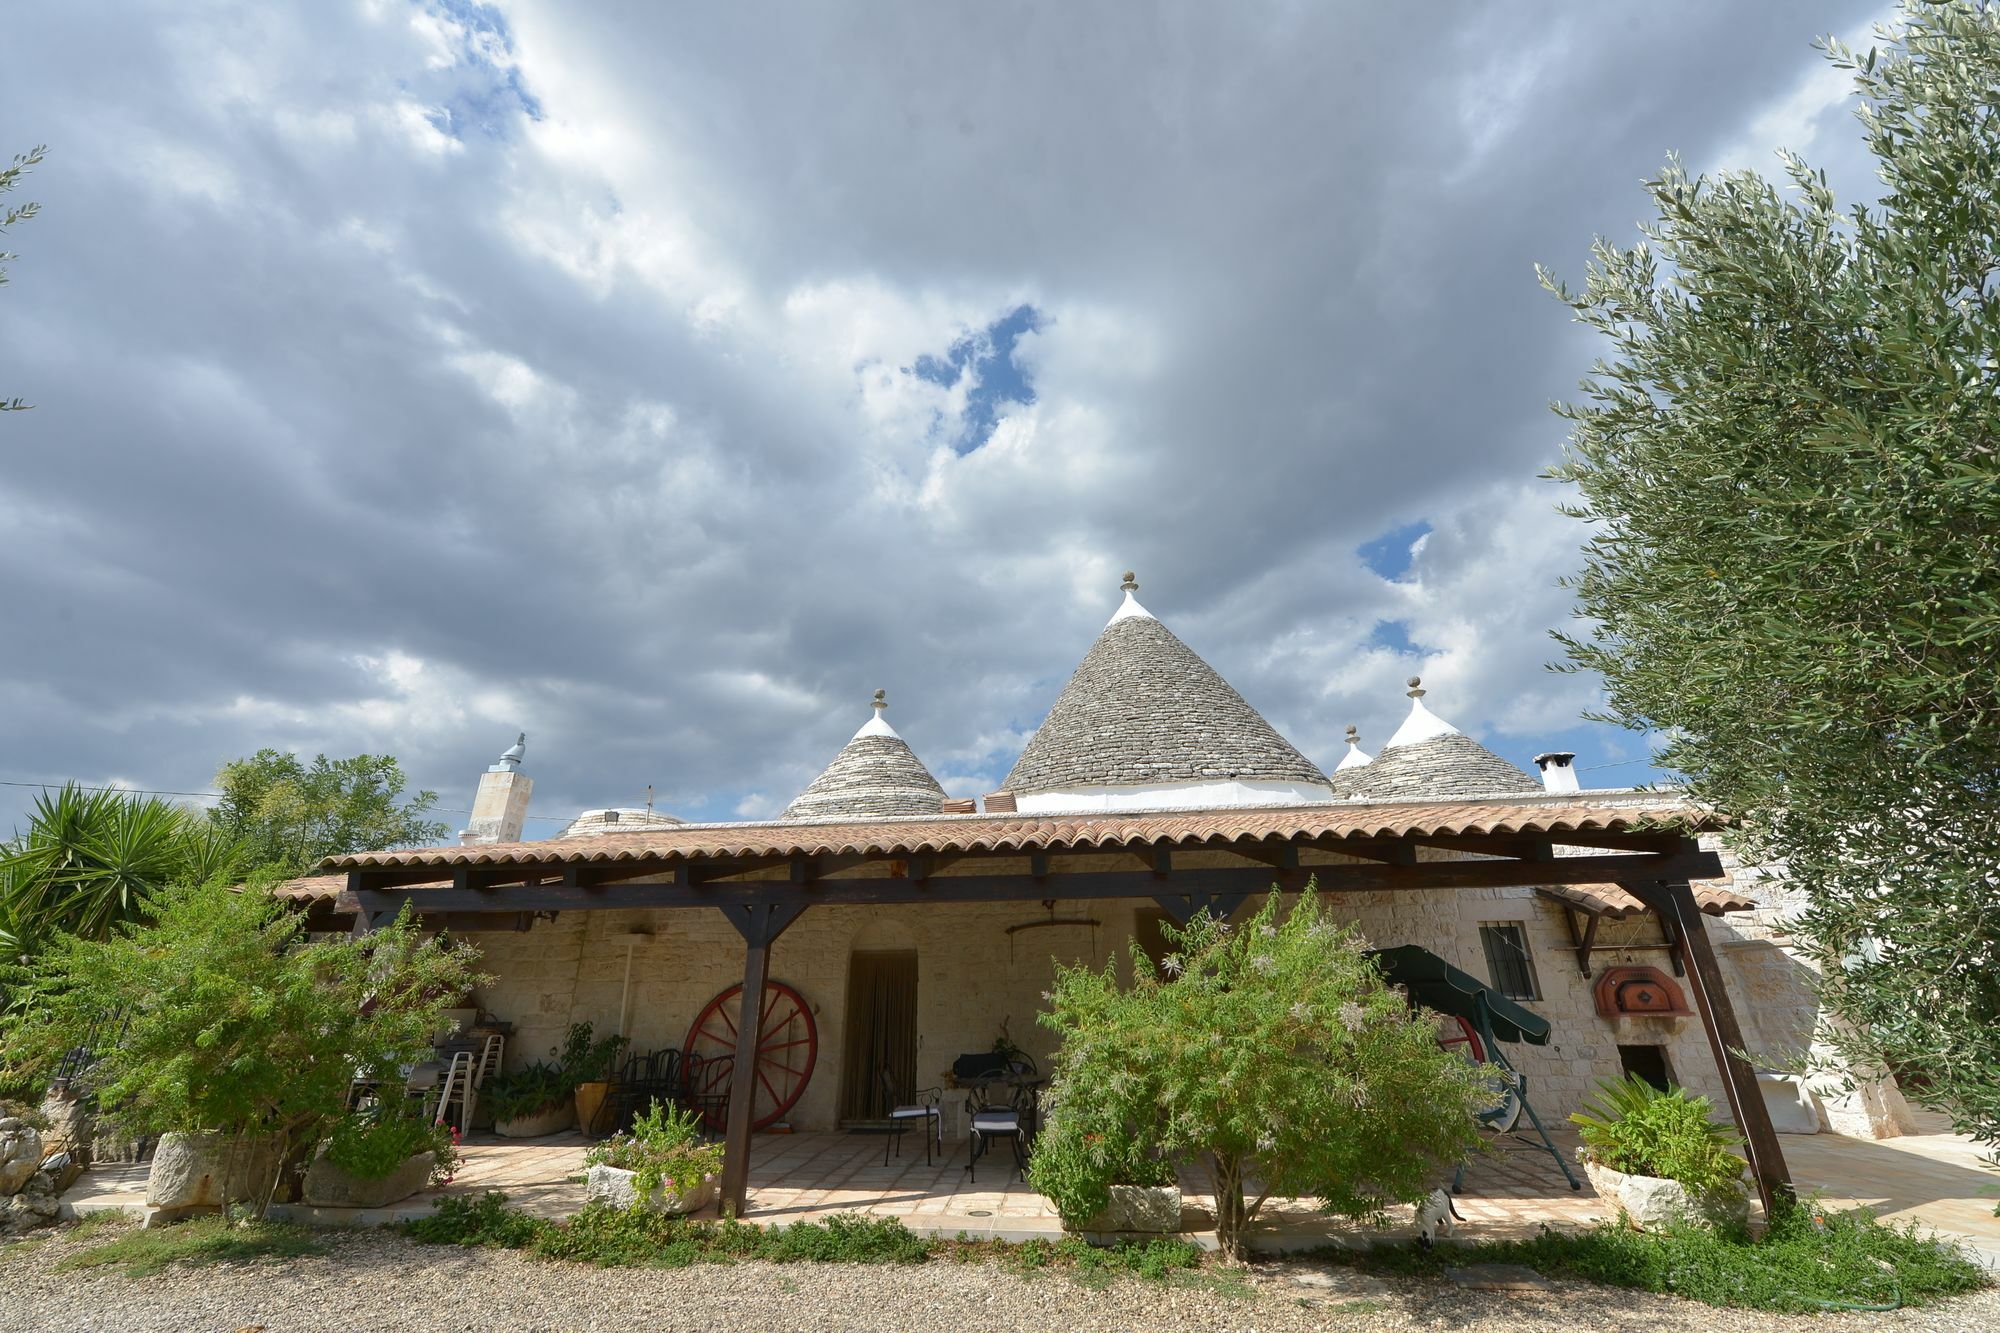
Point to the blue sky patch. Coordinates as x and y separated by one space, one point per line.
1390 555
492 94
988 356
1393 635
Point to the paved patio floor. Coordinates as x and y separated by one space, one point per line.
1935 1179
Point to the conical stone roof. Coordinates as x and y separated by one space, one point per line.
1428 758
874 774
1143 711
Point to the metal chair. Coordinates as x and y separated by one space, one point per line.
705 1080
642 1080
922 1105
1003 1107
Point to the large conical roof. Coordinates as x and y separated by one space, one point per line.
874 774
1144 711
1428 758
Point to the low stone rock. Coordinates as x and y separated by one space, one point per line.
327 1186
1150 1208
63 1168
20 1154
618 1187
1652 1202
70 1124
210 1169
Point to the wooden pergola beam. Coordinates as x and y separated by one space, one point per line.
690 891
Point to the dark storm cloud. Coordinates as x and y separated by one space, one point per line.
409 375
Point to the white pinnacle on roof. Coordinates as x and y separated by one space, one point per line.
1355 756
1129 609
878 725
1145 724
1422 724
875 774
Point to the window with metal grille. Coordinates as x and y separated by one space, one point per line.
1509 967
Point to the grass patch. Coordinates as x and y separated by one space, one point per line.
624 1237
205 1240
618 1237
1809 1260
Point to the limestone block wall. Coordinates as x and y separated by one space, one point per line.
973 978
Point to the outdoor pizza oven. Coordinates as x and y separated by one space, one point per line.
1639 992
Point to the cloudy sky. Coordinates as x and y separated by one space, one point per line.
662 379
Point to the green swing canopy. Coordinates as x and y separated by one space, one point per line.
1436 984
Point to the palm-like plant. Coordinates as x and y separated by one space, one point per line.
90 860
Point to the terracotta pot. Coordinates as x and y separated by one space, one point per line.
589 1099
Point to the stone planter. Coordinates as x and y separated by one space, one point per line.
545 1121
210 1169
1648 1203
327 1186
614 1186
1151 1209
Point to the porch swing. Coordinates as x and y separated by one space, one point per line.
1486 1019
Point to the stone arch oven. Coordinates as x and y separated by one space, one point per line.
1639 992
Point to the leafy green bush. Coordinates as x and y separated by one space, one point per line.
663 1147
1633 1127
372 1147
846 1238
587 1061
528 1091
486 1221
1153 1259
1808 1260
1272 1048
230 1020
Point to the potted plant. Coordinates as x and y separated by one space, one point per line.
1660 1156
586 1065
1139 1191
373 1161
531 1102
660 1164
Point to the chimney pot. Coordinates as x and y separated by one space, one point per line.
1558 770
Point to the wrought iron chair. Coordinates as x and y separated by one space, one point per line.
922 1104
641 1080
706 1082
1002 1105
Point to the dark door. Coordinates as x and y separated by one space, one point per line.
881 1031
1648 1062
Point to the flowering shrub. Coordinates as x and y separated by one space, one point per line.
1272 1051
663 1148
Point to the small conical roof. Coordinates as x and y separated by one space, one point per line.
1143 710
1430 758
875 774
1356 757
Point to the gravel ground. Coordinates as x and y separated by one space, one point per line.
373 1280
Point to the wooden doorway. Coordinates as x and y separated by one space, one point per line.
881 1030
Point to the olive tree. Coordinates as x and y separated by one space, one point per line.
1789 460
1271 1054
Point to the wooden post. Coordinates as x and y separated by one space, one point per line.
1675 903
760 925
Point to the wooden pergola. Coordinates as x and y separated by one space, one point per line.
763 877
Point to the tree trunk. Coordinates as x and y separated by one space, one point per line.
1227 1176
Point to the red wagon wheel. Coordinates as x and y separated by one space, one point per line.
787 1045
1460 1038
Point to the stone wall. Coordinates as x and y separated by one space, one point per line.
973 978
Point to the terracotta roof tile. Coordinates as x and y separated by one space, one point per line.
939 833
1616 903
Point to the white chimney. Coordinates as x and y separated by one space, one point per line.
1558 770
500 809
